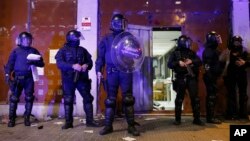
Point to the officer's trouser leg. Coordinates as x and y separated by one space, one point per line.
88 108
109 116
196 111
210 109
210 105
243 106
128 102
12 110
178 108
68 107
28 108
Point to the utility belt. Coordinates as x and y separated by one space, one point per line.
111 69
23 75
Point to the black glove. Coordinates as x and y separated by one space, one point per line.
32 62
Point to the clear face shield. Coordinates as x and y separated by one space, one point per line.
189 43
118 24
25 41
74 37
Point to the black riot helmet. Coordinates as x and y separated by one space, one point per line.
73 38
118 23
24 39
236 44
184 42
237 38
213 39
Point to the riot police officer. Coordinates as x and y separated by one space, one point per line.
19 66
185 63
75 62
213 68
115 78
236 76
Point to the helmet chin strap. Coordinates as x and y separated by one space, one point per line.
74 43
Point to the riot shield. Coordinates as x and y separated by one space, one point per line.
127 52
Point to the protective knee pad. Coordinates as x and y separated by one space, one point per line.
29 98
110 103
14 99
68 100
128 100
88 99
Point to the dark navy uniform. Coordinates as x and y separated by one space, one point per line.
115 78
185 78
20 66
71 53
237 77
213 68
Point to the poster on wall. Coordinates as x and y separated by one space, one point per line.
86 23
52 54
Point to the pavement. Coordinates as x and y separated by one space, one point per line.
153 128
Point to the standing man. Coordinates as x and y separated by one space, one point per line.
115 78
236 77
18 75
185 63
75 62
213 69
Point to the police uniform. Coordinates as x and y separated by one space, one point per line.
71 53
213 68
20 66
237 77
185 78
115 78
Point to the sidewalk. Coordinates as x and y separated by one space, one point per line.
153 128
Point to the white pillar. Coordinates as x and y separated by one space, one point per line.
241 25
88 9
240 21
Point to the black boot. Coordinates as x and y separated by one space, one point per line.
109 117
27 121
214 121
67 125
11 122
28 108
199 122
68 107
132 130
196 112
88 108
106 130
210 108
129 113
178 106
12 111
243 108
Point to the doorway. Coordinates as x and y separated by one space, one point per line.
164 41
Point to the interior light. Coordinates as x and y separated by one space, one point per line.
177 2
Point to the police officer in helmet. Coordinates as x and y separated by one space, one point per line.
115 78
185 63
213 68
75 62
18 75
236 77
